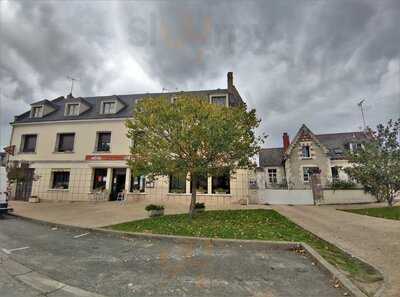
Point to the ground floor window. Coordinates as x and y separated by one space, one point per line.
272 176
138 183
60 180
221 184
99 179
201 184
177 183
335 172
307 172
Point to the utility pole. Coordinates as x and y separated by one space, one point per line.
362 113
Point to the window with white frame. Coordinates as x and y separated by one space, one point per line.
72 109
60 180
37 111
305 151
219 99
177 183
307 172
28 143
354 146
220 184
272 175
103 141
109 107
138 183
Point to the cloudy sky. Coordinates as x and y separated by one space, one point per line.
303 61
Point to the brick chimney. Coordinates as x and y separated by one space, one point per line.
230 80
286 141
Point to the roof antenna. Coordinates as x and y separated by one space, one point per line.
72 83
362 113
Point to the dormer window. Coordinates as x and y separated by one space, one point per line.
108 107
72 109
37 111
219 99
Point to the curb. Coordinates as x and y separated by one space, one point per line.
280 245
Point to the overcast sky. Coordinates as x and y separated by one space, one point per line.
296 62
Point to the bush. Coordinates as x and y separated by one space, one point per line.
199 205
154 207
338 184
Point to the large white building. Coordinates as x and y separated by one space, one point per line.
74 148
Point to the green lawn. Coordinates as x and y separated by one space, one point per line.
251 224
392 213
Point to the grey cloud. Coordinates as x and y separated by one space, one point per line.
294 61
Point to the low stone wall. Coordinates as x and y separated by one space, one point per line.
283 196
346 197
208 199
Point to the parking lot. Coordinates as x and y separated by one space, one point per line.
119 266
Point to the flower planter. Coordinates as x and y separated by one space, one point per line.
34 199
156 213
199 210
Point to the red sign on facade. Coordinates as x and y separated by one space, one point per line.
106 157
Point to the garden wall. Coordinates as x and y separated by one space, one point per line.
346 197
282 196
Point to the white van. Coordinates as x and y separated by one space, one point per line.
3 192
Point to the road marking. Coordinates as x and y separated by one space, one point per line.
80 235
13 250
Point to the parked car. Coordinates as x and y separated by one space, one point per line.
4 209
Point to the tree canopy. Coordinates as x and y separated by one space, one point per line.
190 136
377 165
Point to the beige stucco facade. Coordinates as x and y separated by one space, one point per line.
81 162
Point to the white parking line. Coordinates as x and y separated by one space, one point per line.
80 235
13 250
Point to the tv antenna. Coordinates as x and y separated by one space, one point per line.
362 113
72 82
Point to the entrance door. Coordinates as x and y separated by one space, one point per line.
24 187
118 182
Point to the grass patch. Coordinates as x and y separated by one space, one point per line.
391 213
252 224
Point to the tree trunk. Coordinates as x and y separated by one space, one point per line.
193 179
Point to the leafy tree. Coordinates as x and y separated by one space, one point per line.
190 136
377 165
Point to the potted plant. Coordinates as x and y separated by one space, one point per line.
199 207
155 210
34 199
220 191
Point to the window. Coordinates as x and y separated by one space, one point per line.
177 183
221 184
307 172
219 100
65 142
138 183
201 184
354 147
37 111
60 180
72 109
28 143
99 179
108 107
103 141
335 172
305 152
272 177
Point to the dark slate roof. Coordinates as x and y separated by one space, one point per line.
128 100
271 157
337 143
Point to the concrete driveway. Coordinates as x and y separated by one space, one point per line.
100 214
120 266
375 240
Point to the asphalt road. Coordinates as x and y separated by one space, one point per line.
115 266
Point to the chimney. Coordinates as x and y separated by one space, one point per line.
286 141
230 80
69 96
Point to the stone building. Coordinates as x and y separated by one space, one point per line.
76 149
291 165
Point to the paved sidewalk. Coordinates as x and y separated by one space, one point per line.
100 214
375 240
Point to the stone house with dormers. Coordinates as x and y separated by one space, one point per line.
291 165
73 148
